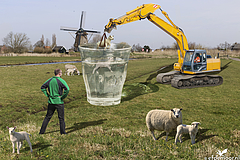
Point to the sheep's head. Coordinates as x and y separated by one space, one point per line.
176 112
11 130
195 124
111 37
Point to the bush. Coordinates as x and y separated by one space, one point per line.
42 50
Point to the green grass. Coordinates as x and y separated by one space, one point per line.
28 60
119 132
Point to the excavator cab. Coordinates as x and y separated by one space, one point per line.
195 61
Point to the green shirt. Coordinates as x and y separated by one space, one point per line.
55 86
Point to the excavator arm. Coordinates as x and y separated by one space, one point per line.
146 11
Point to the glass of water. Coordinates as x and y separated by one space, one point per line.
104 72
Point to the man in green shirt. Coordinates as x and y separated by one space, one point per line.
53 89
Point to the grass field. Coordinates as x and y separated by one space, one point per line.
119 132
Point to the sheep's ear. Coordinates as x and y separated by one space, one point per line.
172 110
7 127
180 109
15 127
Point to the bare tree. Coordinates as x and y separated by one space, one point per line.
96 38
17 43
40 43
47 43
54 40
136 48
224 46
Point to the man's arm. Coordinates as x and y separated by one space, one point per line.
45 86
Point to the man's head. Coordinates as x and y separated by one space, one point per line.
58 72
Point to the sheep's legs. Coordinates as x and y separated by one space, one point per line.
29 143
153 135
13 146
180 137
176 138
192 138
18 147
167 136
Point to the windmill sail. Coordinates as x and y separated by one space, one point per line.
81 34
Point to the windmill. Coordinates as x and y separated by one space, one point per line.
81 34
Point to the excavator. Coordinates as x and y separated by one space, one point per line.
193 66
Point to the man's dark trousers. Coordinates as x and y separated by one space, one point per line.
50 112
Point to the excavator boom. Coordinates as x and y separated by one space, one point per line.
186 63
146 11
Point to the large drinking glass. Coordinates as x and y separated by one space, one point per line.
104 72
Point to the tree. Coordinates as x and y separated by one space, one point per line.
224 46
96 38
136 48
39 43
47 43
54 40
17 43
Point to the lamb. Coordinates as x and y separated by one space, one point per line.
18 137
70 72
69 66
106 42
103 64
163 120
191 129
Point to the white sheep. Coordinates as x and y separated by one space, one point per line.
191 129
163 120
69 66
18 137
106 43
70 72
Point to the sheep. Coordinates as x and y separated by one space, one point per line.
163 120
191 129
106 43
70 72
103 64
18 137
69 66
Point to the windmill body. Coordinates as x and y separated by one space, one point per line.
81 34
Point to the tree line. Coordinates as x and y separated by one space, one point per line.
20 43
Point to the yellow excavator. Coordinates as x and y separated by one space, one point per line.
188 71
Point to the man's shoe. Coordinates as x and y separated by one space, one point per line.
63 133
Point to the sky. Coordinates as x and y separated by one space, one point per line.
205 22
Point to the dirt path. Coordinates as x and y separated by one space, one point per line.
236 59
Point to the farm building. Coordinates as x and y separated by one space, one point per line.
60 49
236 46
2 48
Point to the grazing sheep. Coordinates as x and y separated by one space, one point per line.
69 66
18 137
70 72
163 120
103 64
191 129
106 43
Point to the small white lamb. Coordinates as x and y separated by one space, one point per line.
69 66
163 120
106 43
70 72
18 137
191 129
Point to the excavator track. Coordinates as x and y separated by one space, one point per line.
194 81
165 78
182 81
